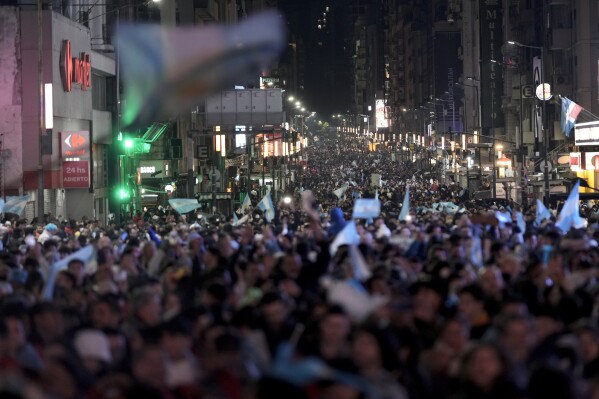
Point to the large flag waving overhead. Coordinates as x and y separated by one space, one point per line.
267 207
570 215
184 205
16 205
570 111
168 69
405 208
542 213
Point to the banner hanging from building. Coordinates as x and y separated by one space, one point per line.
491 74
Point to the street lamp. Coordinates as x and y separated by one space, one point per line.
545 135
290 98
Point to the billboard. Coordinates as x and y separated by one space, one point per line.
381 119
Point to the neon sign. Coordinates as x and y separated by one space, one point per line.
73 69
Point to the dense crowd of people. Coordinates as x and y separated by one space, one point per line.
447 303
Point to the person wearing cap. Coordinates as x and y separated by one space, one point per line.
93 348
48 233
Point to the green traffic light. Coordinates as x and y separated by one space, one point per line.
124 193
129 143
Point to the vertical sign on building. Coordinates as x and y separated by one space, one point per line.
448 68
491 40
381 118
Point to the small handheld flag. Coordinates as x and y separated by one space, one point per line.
542 213
570 215
267 207
405 208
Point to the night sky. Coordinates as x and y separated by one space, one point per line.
324 54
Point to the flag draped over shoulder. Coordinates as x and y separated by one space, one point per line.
167 69
570 111
542 213
85 255
570 215
267 207
405 208
184 205
520 222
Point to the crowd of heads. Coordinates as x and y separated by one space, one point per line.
438 305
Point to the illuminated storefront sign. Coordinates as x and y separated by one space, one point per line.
74 69
75 174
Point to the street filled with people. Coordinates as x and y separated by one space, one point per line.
435 296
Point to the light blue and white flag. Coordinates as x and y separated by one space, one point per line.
167 69
85 255
521 223
503 218
449 207
340 192
347 236
570 215
542 213
16 205
247 203
184 205
365 208
359 266
235 219
405 208
267 207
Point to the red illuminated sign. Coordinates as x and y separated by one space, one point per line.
75 174
74 144
73 69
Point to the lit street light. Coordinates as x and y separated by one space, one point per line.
291 98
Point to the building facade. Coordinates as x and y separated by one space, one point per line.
72 134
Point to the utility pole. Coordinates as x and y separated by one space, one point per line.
40 83
494 188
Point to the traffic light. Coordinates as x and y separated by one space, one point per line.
128 143
123 194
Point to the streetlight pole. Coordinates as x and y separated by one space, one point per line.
543 122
